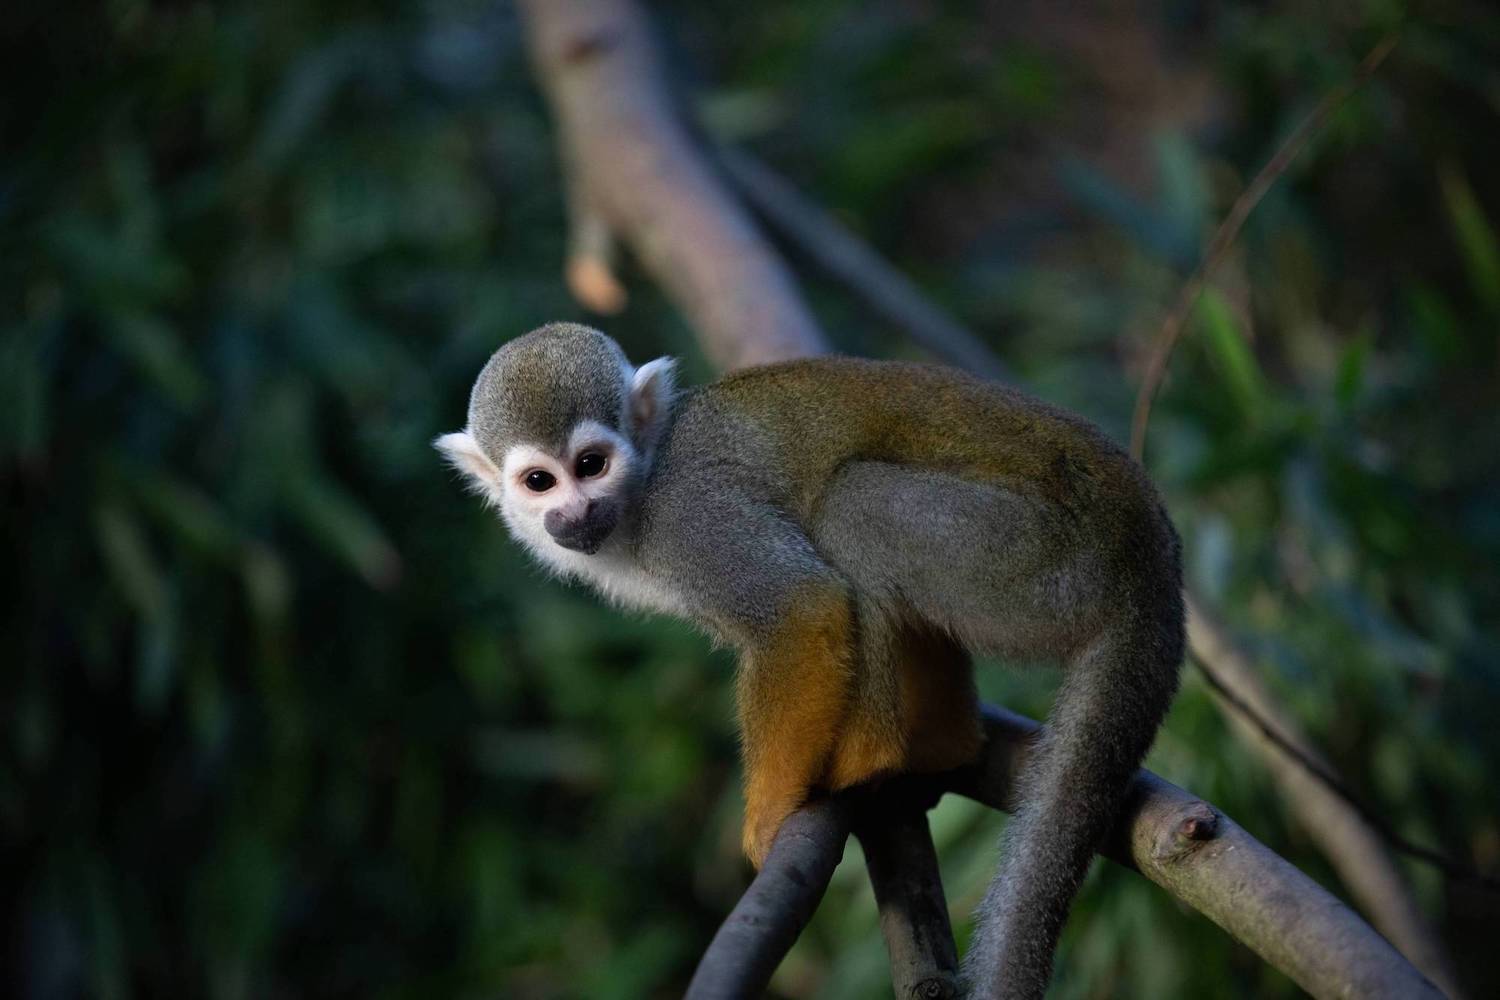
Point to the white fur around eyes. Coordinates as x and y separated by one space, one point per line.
612 570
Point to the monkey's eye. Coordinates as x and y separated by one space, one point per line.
590 464
538 481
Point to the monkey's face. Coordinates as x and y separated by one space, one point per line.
573 498
599 420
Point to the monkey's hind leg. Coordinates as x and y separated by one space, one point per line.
913 705
793 691
1113 697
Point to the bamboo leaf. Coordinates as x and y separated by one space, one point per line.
128 558
157 352
342 526
1230 351
1475 235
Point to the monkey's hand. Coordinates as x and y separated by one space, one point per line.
793 692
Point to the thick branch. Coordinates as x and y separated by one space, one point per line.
1204 859
1354 849
779 903
636 168
909 892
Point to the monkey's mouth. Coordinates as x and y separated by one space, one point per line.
587 532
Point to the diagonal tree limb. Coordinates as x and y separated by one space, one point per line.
636 166
1206 860
1351 845
891 824
780 901
652 188
846 258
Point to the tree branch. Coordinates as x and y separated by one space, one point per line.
1351 845
845 258
780 901
634 165
892 828
1204 859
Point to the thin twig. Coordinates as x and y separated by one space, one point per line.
1229 229
1451 868
833 249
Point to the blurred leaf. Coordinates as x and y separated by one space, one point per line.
24 403
1230 350
736 115
268 585
304 98
1184 196
190 513
1140 220
1024 82
105 935
111 270
904 143
236 900
338 522
137 577
157 352
1351 373
1435 323
1476 236
569 758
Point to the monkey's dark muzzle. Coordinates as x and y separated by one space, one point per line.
586 532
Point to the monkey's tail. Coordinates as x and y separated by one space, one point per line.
1112 700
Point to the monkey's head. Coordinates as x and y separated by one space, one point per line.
561 433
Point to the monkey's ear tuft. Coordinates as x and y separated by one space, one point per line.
465 455
651 391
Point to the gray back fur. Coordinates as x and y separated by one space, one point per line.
536 388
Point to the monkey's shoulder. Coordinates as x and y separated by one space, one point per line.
833 378
931 396
823 411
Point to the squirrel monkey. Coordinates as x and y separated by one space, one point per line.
856 529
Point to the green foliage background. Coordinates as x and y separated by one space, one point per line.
285 714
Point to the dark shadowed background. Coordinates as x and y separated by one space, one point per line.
283 713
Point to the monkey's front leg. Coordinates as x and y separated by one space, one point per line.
793 690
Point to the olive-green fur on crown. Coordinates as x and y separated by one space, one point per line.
538 387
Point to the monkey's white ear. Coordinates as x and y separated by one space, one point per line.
651 390
464 454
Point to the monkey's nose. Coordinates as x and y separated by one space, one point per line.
584 532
